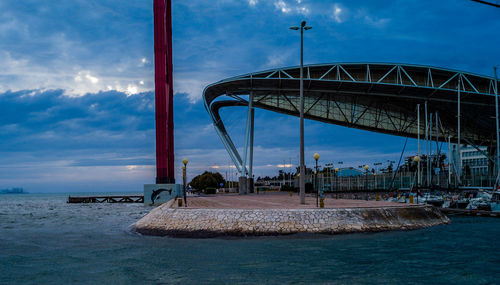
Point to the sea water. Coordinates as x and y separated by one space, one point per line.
44 240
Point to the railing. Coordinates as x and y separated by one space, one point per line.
107 199
387 181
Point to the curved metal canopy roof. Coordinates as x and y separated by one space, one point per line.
379 97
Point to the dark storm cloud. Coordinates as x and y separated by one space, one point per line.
31 119
34 120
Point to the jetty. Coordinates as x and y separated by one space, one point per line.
278 214
107 199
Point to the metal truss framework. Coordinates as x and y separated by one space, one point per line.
379 97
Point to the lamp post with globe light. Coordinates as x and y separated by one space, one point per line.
417 160
366 176
316 157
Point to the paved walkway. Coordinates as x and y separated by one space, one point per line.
278 201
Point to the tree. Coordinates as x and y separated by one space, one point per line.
207 179
390 168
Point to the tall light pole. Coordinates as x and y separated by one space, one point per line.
459 141
185 162
417 160
498 142
316 157
418 146
302 184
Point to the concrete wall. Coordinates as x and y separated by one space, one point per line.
157 194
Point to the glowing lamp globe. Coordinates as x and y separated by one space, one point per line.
185 161
367 167
316 156
337 169
416 158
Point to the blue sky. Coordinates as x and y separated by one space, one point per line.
76 80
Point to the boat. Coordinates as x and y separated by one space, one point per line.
479 200
495 201
434 200
459 204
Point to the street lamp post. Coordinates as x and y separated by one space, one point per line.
366 176
417 160
302 167
185 162
316 157
337 181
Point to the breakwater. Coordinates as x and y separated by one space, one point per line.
203 222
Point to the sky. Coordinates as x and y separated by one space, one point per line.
77 89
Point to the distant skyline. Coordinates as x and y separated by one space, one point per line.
77 81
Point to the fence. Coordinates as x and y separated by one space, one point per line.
387 181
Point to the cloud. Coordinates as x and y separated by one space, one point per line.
302 10
58 139
113 41
282 6
282 165
76 89
377 23
132 89
20 72
295 7
193 86
338 13
86 76
39 51
277 60
52 135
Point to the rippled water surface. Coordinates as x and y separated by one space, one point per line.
43 240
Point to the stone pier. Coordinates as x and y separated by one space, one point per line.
255 215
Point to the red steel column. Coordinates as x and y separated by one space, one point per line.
164 114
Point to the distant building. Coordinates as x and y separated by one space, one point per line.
474 160
12 191
349 172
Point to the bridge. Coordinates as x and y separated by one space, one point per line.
378 97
